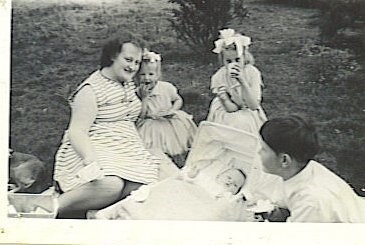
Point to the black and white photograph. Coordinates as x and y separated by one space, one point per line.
227 114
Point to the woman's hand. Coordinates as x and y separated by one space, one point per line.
90 172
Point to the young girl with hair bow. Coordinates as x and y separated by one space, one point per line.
237 85
162 124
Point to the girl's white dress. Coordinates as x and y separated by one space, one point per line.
245 118
172 135
113 134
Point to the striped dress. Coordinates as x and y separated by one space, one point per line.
118 146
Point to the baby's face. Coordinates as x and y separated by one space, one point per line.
231 180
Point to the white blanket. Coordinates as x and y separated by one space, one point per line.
215 149
177 199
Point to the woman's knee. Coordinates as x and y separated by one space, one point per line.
110 184
107 188
93 195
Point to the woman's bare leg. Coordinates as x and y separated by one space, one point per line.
129 187
93 195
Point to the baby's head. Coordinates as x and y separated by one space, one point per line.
232 47
232 180
150 70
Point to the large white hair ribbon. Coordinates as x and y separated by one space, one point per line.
228 37
151 56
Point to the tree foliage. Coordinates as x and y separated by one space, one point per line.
197 22
335 15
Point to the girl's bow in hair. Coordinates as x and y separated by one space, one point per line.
151 56
228 37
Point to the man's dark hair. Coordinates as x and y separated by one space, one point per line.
291 135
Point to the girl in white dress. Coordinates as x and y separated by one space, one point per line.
162 124
237 85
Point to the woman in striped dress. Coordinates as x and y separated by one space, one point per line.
102 156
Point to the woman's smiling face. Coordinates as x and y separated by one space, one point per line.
126 63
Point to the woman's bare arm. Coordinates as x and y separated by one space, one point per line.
83 114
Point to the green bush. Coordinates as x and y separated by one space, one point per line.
197 22
300 3
335 15
338 15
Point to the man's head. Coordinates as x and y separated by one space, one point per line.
288 144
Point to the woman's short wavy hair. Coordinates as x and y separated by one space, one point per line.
113 47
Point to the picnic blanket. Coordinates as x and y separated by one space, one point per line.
182 197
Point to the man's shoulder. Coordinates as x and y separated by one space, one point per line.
310 192
313 190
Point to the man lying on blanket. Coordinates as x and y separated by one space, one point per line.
212 185
312 193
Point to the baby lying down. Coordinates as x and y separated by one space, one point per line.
228 182
190 195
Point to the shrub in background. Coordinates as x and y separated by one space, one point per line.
338 15
335 15
197 22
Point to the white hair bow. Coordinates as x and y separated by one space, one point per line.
151 56
228 37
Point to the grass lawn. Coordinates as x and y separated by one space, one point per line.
56 44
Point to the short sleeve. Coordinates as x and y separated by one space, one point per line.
170 90
71 98
255 81
95 81
217 80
